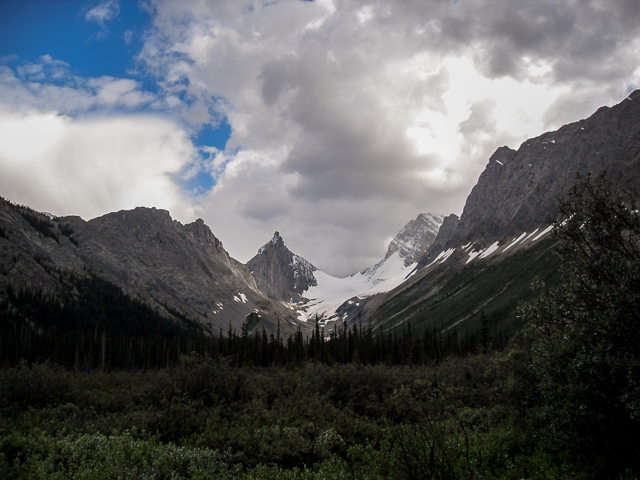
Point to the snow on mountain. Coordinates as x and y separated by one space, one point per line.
331 292
402 255
524 240
415 237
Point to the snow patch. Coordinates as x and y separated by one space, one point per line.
492 248
442 256
331 292
472 255
515 241
543 233
498 161
240 298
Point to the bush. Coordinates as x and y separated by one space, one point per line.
37 386
582 342
98 456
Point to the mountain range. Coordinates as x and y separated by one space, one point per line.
438 272
314 294
181 271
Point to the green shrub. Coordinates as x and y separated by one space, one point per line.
35 386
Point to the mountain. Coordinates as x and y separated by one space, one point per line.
282 275
180 271
485 262
445 232
279 273
415 237
518 190
438 273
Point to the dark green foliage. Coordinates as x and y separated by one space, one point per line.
451 293
35 386
252 321
582 343
67 231
93 325
204 419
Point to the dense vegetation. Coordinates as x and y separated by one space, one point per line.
94 325
562 400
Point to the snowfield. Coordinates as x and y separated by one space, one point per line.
331 292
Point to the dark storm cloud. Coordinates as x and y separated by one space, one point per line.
579 40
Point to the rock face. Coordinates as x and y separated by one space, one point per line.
179 270
502 230
415 237
279 273
518 190
446 231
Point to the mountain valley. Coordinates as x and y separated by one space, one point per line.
438 272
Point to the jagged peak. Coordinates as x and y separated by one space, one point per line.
410 240
202 233
275 240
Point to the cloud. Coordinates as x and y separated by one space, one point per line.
347 118
73 145
89 167
128 37
103 13
352 117
49 84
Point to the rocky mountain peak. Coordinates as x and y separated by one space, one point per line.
446 231
203 234
415 237
519 190
279 273
180 271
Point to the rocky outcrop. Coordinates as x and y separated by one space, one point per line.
446 231
179 270
279 273
518 190
415 237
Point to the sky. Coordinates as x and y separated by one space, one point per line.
333 122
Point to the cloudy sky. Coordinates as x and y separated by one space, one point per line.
334 122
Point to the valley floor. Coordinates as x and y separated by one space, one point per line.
463 418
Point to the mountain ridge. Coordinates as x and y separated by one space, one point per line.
518 189
182 271
282 275
279 273
507 214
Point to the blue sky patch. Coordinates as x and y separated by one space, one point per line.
209 137
94 39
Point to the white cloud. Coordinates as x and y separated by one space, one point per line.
49 84
89 167
104 12
128 37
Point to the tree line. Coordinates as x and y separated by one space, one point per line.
102 328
